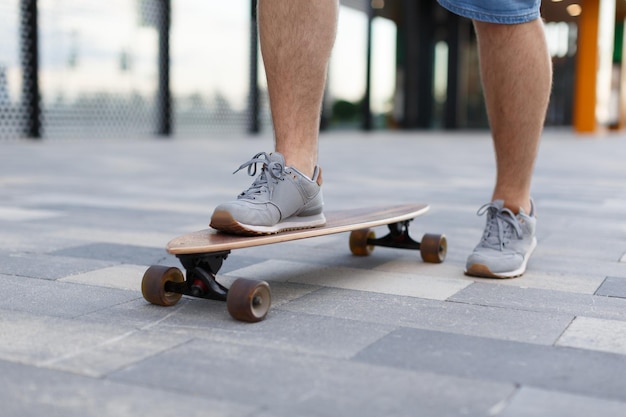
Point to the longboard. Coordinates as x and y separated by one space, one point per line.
202 253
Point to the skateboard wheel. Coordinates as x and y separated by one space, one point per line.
358 242
433 248
153 285
248 300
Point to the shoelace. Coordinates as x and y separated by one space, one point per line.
261 184
501 223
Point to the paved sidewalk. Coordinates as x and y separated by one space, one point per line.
386 335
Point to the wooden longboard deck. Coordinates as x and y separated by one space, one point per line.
209 240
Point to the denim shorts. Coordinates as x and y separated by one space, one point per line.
495 11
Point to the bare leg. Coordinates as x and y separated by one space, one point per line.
516 72
297 37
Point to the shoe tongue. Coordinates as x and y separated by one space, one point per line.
498 203
497 208
277 158
275 165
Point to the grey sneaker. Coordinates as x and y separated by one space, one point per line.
506 245
280 199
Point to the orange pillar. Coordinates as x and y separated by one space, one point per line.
586 68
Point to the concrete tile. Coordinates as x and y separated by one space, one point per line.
124 277
292 332
114 353
121 237
414 285
613 287
283 384
33 241
32 392
533 402
138 313
87 348
566 370
285 292
536 277
596 334
565 264
584 242
19 214
546 301
111 252
414 265
141 202
34 265
61 299
123 219
459 318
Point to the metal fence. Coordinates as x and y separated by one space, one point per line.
104 69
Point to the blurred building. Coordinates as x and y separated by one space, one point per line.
133 68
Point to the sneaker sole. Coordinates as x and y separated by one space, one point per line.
483 271
224 222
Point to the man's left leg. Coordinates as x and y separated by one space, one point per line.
516 73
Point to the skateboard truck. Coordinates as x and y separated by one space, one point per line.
433 248
201 271
398 237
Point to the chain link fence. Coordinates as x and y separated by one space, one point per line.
12 114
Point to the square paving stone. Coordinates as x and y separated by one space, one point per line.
613 287
574 371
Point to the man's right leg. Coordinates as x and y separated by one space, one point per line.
297 37
296 41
